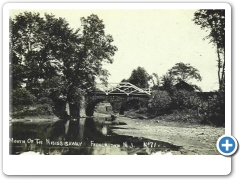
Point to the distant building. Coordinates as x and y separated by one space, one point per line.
182 85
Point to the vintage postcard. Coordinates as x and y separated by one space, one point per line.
118 79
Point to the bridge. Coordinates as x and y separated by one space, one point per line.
120 89
119 95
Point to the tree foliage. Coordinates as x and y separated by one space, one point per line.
168 83
160 102
213 110
180 72
155 81
22 97
214 21
184 72
48 55
182 100
139 77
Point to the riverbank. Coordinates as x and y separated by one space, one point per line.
195 139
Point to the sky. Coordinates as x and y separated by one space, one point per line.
153 39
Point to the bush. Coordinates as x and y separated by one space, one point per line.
160 102
22 97
182 100
25 104
213 110
38 110
45 100
163 102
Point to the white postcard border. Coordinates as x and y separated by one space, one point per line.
114 164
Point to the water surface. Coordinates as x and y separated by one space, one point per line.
81 137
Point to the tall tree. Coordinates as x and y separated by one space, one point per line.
214 21
24 47
139 77
95 48
63 62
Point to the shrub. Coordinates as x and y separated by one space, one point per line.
41 109
38 110
22 97
183 99
213 110
20 100
45 100
160 102
25 104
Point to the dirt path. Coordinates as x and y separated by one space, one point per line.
194 139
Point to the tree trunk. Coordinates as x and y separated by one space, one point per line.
59 109
74 110
223 73
219 68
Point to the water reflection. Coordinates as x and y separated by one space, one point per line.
81 137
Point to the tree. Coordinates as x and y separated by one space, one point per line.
63 63
41 46
124 80
184 72
155 80
160 102
180 72
214 21
167 83
24 46
139 78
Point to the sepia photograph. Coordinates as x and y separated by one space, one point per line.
116 81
